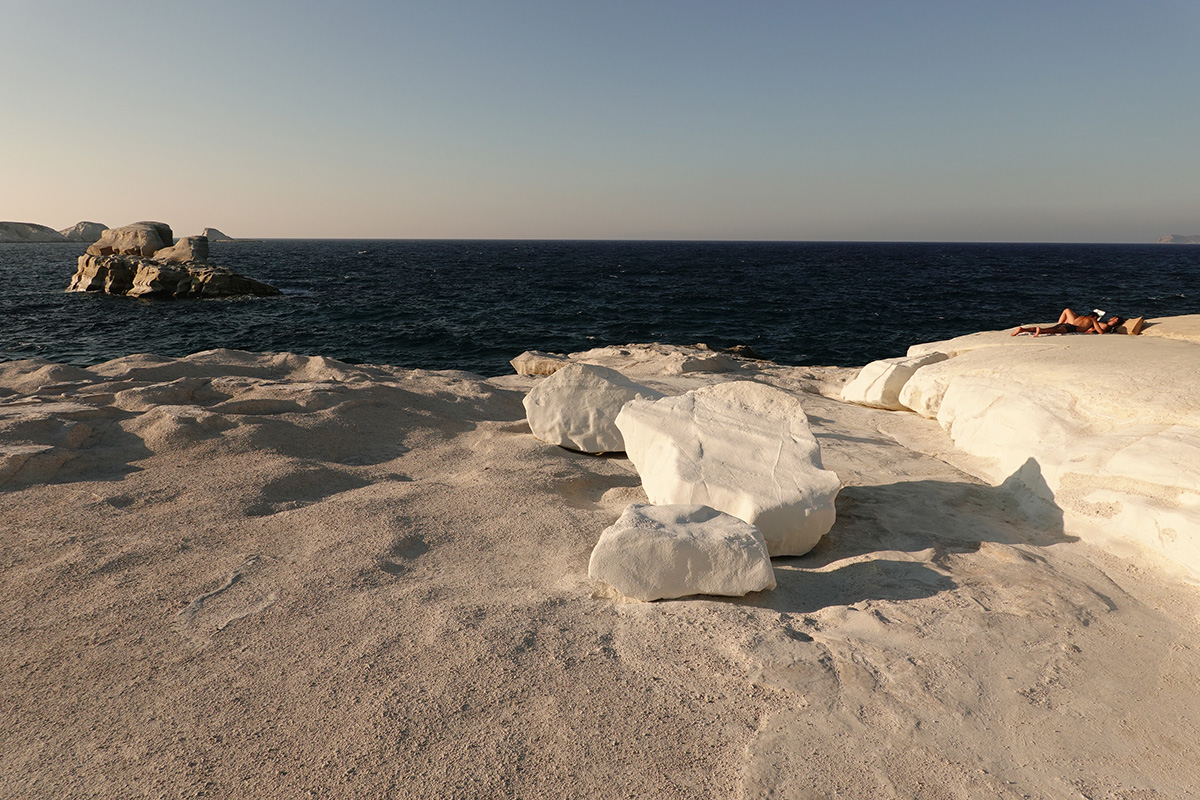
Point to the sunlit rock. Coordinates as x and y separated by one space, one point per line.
657 552
741 447
577 407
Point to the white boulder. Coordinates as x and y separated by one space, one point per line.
138 239
658 552
577 407
742 447
878 384
188 250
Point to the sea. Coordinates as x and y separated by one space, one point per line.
474 305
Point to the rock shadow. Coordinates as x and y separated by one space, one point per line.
945 516
913 516
803 591
58 450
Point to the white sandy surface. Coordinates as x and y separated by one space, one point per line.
247 575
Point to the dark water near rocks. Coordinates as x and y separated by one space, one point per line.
475 304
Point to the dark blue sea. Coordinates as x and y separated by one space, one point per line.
473 305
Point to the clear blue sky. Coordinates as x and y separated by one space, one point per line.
824 120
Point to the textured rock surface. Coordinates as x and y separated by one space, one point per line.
742 447
12 232
878 384
1106 427
535 362
577 407
142 277
138 239
658 552
89 232
189 249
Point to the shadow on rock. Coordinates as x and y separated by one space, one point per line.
802 591
945 516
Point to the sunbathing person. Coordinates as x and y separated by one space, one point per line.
1070 322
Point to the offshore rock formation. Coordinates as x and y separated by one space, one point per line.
88 232
143 260
214 235
12 232
1175 238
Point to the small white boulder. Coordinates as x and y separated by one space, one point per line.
878 384
742 447
659 552
577 407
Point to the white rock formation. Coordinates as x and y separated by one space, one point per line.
89 232
1109 426
878 384
535 362
658 552
138 239
577 407
12 232
214 235
742 447
189 249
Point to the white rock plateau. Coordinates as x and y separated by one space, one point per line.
741 447
660 552
1106 427
577 407
878 384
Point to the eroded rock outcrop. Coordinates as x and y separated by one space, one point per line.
138 239
13 232
214 235
144 260
659 552
879 383
89 232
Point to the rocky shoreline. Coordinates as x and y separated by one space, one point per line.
271 574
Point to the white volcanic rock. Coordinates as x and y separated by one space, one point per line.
214 235
12 232
535 362
742 447
138 239
658 552
1107 427
189 249
577 407
88 232
878 384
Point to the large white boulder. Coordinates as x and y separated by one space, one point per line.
742 447
138 239
878 384
658 552
577 407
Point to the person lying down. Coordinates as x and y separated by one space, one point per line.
1070 322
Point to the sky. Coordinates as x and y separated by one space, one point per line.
1072 121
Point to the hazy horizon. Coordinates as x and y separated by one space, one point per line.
864 121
